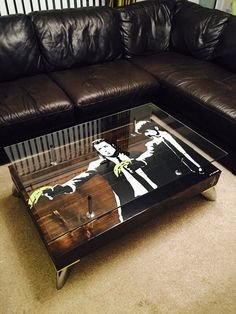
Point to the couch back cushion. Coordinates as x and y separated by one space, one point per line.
19 52
145 27
77 37
226 51
197 30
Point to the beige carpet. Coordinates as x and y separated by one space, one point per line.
184 261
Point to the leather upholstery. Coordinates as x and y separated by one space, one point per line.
201 91
105 88
32 106
77 37
196 30
19 52
226 50
146 26
85 52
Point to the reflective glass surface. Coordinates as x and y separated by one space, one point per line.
76 175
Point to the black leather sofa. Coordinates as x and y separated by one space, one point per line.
62 67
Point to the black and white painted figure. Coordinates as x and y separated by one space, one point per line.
166 153
123 172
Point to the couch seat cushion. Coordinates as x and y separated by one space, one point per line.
200 90
106 88
32 106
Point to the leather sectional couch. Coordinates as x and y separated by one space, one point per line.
62 67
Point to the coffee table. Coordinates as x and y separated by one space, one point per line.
88 184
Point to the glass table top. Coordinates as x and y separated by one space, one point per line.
55 148
76 175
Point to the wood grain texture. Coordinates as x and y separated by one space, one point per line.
63 221
63 224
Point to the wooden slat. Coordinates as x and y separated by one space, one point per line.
15 6
31 5
23 6
39 4
7 8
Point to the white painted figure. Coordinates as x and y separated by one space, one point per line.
165 151
124 173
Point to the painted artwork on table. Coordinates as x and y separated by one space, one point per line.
129 174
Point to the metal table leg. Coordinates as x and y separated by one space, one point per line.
61 277
14 191
210 194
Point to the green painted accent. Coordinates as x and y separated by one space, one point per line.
34 197
118 167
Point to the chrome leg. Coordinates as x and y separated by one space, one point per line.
14 191
210 194
62 276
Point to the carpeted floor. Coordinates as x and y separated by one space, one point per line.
184 261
